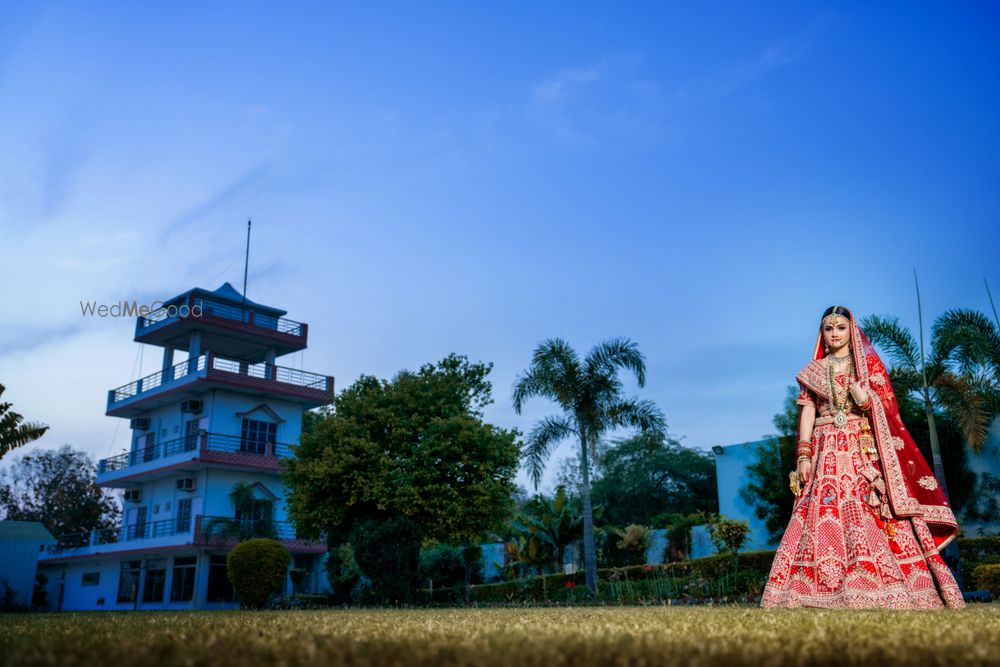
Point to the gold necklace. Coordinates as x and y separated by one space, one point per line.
840 418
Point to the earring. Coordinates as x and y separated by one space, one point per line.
826 349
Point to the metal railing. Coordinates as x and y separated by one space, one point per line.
212 442
146 530
212 361
270 372
226 528
230 312
158 378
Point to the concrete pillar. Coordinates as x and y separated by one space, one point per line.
194 350
168 357
272 372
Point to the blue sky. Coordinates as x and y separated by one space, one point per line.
427 178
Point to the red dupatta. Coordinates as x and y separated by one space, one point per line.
912 488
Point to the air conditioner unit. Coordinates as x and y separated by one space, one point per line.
133 495
193 406
139 423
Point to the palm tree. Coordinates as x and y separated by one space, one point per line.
14 433
592 400
960 374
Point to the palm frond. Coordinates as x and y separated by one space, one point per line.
644 415
542 438
895 339
967 339
528 385
14 431
607 357
965 402
557 365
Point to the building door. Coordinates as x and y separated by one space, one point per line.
191 434
183 515
136 528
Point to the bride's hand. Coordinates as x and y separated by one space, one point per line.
859 394
805 470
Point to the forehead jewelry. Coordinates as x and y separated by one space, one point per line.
833 318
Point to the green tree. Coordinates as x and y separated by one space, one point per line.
14 431
416 448
640 478
766 488
591 397
58 488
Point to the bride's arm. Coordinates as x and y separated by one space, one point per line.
807 419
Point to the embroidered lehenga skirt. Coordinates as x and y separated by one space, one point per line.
839 549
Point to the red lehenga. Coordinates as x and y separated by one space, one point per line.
869 526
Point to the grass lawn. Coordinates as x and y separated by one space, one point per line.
525 637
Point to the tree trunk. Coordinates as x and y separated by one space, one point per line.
589 548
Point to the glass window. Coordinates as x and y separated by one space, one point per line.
182 582
256 434
220 589
156 578
91 578
128 581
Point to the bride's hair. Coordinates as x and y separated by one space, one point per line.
836 310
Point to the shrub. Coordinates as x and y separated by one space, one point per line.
388 552
442 564
257 568
988 577
728 535
635 541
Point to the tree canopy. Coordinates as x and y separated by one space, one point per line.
58 489
642 477
415 448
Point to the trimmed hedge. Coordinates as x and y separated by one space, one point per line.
257 568
988 577
702 578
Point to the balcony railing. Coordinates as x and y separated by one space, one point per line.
146 530
207 529
226 311
204 442
225 528
209 362
159 378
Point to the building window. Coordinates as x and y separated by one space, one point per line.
182 584
128 581
91 578
256 434
220 589
156 578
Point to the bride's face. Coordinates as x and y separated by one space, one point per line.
836 334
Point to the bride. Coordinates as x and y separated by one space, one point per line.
870 520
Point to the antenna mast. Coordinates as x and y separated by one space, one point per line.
246 262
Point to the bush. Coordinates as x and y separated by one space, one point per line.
388 552
635 541
988 577
443 564
257 569
343 571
